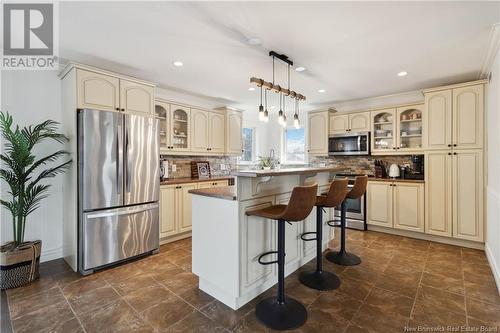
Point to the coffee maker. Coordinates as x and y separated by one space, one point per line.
416 171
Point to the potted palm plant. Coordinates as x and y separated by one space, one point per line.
25 176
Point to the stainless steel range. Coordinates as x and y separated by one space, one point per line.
356 208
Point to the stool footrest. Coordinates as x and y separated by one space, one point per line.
267 262
308 239
334 223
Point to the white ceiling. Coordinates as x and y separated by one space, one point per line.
350 49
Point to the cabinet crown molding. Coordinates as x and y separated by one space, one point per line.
457 85
75 65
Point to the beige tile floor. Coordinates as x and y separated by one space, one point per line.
400 283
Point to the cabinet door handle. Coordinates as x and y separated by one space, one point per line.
117 109
123 109
454 153
454 145
449 153
397 148
449 145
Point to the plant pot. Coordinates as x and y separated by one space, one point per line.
19 265
266 168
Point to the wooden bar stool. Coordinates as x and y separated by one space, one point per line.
319 279
284 313
343 257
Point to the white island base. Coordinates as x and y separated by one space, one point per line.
227 242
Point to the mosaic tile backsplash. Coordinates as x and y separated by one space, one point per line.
219 165
359 164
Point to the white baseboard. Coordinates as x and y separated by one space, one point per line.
493 264
51 254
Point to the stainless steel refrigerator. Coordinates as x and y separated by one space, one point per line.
118 187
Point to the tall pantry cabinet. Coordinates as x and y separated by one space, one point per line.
454 172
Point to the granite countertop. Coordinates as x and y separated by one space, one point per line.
223 192
285 171
399 180
174 181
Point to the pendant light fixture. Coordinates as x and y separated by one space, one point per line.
266 113
261 107
283 93
296 121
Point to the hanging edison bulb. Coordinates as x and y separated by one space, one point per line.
296 121
261 107
266 113
280 113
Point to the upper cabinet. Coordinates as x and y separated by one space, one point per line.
409 127
234 132
207 131
162 113
455 118
111 93
318 133
468 113
180 128
136 98
353 122
216 132
97 91
383 130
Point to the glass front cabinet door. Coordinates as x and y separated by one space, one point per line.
162 113
180 128
383 130
410 127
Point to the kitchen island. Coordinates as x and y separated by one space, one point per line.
227 242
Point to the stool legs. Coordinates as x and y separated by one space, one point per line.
342 257
281 313
319 279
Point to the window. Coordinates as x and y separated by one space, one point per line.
294 146
248 155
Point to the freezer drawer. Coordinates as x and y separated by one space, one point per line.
116 234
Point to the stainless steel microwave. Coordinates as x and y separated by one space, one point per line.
349 144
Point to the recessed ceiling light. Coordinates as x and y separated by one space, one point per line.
403 73
321 90
254 41
251 89
177 63
300 69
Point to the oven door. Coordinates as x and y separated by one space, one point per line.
349 144
355 208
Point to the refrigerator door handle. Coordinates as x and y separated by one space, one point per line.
119 152
127 160
125 212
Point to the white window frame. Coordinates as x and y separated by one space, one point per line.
254 147
283 148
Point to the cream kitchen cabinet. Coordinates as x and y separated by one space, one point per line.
168 225
455 117
175 207
199 130
468 194
207 131
318 133
180 128
454 194
216 132
234 132
136 98
383 125
408 206
113 93
162 113
398 205
379 204
438 193
409 124
352 122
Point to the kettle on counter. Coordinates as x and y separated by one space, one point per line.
394 171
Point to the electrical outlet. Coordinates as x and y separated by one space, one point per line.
174 168
223 166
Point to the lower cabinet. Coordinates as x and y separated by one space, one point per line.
175 207
398 205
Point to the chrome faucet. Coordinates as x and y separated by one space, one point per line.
272 153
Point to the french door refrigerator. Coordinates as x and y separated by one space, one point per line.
118 187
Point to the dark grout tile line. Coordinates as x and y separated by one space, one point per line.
72 310
5 313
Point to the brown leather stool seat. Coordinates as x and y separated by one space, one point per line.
343 257
319 279
284 313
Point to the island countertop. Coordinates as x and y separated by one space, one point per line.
285 171
224 192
